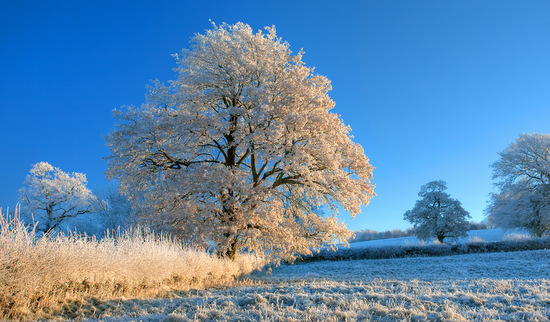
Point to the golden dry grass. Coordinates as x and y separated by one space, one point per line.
42 277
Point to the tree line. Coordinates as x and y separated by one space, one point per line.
370 234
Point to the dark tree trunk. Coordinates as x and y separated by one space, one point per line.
228 219
228 216
232 251
440 238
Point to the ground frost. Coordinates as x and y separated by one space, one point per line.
502 286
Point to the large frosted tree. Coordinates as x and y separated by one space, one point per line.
437 214
523 180
52 196
242 149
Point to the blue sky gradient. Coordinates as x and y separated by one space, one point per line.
431 89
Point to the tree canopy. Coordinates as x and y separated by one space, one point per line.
242 149
523 180
53 196
437 214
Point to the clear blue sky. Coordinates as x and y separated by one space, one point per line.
431 89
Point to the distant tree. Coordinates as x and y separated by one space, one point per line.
437 214
114 209
367 234
242 149
523 174
474 225
53 196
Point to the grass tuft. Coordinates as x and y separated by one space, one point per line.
50 275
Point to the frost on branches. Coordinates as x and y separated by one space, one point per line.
52 195
437 214
523 172
242 149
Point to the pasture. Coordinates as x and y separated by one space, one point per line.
493 286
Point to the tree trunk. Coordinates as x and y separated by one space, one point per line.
440 238
232 251
49 213
228 220
230 162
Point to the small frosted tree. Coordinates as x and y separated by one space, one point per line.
114 209
242 149
523 174
437 214
53 196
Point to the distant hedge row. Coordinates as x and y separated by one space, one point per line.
431 250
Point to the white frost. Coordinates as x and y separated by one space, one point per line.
497 286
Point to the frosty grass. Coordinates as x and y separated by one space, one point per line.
495 286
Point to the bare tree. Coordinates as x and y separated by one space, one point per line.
437 214
242 149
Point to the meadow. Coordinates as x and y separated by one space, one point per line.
511 286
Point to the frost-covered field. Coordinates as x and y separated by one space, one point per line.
486 235
491 286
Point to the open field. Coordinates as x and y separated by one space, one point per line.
478 241
496 286
486 235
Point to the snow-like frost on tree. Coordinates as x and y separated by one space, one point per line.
437 214
523 174
114 209
53 196
241 149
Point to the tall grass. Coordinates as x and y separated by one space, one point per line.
45 276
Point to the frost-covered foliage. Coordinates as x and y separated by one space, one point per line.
52 196
519 205
474 225
242 149
114 209
437 214
523 174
